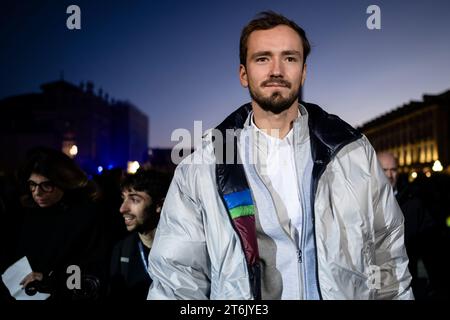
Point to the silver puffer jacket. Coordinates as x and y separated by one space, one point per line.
198 253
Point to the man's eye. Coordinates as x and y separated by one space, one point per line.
291 59
261 59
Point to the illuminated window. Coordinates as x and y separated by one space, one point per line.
435 152
401 158
429 151
408 155
423 151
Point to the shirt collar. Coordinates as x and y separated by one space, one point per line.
273 141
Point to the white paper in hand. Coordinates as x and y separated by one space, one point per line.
14 275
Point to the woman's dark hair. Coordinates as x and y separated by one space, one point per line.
60 169
269 20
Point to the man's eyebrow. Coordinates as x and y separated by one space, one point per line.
269 53
261 53
134 194
291 52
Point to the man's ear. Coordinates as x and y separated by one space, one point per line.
159 205
304 74
243 76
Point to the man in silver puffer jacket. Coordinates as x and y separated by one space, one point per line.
282 200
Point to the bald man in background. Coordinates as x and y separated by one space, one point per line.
422 237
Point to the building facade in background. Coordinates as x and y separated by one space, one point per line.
417 134
95 130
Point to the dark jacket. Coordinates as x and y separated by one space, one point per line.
423 241
129 279
69 233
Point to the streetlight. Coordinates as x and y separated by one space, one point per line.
73 151
437 166
133 167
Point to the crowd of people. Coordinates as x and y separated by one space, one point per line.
57 218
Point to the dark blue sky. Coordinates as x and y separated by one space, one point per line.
178 60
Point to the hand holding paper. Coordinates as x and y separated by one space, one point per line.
13 277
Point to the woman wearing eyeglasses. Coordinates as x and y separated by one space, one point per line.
62 231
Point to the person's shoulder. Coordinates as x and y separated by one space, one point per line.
199 161
127 240
359 147
409 195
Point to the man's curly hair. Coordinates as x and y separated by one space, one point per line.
154 183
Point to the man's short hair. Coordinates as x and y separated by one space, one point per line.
268 20
152 182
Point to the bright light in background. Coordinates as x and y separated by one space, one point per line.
110 167
99 169
428 174
412 176
73 151
133 166
437 166
448 221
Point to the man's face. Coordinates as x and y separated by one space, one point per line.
275 70
389 165
135 210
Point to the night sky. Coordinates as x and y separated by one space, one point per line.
178 60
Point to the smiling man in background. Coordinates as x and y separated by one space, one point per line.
142 195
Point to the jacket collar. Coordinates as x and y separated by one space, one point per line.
328 133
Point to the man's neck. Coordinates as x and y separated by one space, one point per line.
275 125
147 238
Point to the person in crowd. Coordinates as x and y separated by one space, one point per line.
61 232
142 198
423 239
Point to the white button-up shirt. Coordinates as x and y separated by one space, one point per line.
277 168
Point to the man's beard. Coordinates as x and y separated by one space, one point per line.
275 103
151 219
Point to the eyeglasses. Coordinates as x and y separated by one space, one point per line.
46 186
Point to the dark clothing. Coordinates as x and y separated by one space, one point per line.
69 233
423 242
129 277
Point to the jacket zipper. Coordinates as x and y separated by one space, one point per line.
303 293
298 251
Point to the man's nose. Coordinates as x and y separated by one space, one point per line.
390 174
277 68
123 208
